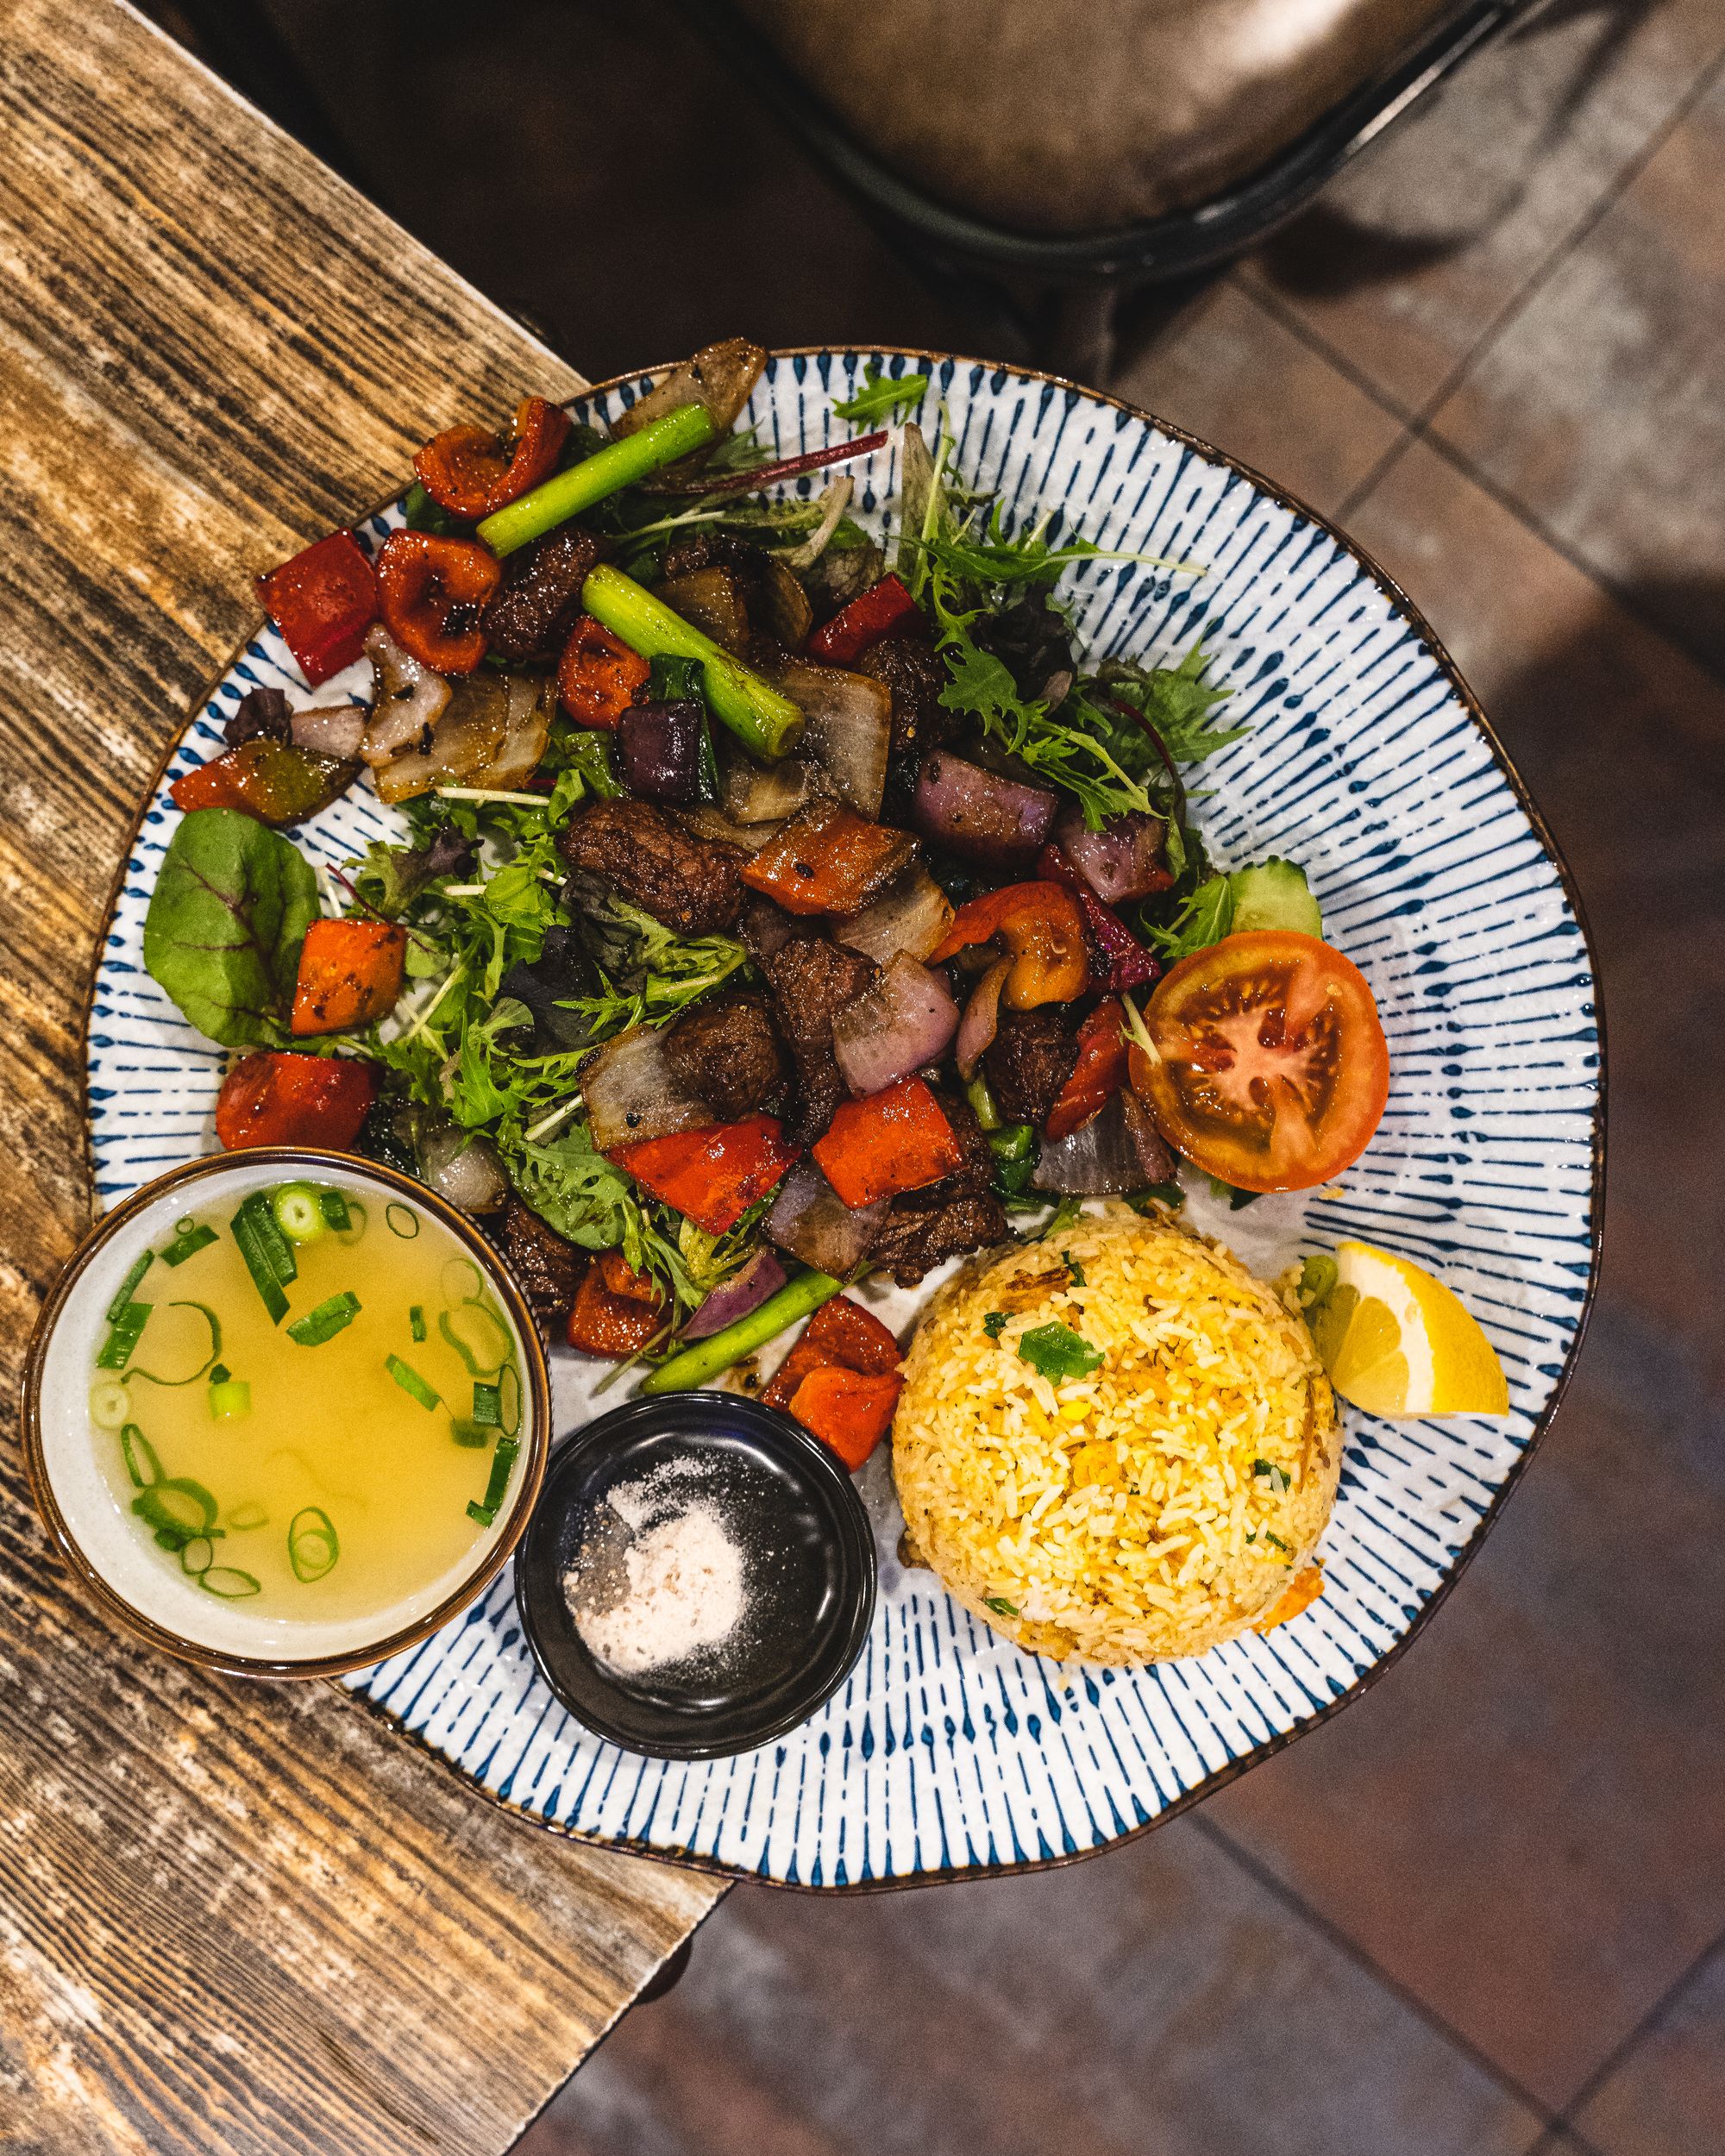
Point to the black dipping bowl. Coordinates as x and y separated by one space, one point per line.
808 1570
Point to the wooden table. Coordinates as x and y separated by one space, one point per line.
233 1918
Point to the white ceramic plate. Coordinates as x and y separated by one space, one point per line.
949 1753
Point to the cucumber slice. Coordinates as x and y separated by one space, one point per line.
1274 894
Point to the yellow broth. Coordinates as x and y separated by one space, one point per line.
330 1449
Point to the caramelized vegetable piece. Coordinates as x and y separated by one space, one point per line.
621 1278
713 1175
324 601
1098 1075
471 472
849 1412
1300 1597
828 860
276 1098
1129 964
873 614
432 591
269 779
349 973
1042 930
895 1140
598 675
850 1338
612 1326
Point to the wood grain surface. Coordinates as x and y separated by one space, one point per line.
235 1918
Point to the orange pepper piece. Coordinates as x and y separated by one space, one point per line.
350 972
891 1140
1043 929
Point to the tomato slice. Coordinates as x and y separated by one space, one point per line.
1270 1068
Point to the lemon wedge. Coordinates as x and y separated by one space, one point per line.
1397 1342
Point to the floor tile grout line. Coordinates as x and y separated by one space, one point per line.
1422 422
1625 2049
1345 1944
1268 300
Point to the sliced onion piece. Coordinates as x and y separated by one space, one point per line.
811 1220
912 914
735 1298
980 815
632 1093
408 698
331 730
903 1022
848 732
493 733
1122 861
463 1168
719 376
709 822
981 1019
753 793
1100 1160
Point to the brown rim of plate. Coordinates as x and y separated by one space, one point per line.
300 1158
690 1861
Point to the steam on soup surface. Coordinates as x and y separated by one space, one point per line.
311 1404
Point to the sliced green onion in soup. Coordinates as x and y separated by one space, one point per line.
179 1507
415 1321
411 1381
333 1315
110 1403
299 1210
401 1220
127 1287
125 1334
479 1336
230 1399
333 1204
502 1465
143 1463
244 1518
487 1406
189 1237
313 1545
354 1218
198 1555
232 1585
460 1281
206 1356
267 1252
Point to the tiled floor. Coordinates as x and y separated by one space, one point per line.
1484 1910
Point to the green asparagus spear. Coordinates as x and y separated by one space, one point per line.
698 1364
619 464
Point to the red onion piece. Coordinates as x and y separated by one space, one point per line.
902 1023
736 1297
1122 861
332 730
659 747
1100 1159
978 814
408 698
912 914
751 482
631 1091
811 1220
981 1019
1129 965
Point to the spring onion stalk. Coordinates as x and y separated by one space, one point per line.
707 1358
231 1399
110 1404
334 1207
126 1329
297 1211
766 722
333 1315
502 1465
189 1237
415 1321
619 464
122 1299
411 1381
267 1252
488 1406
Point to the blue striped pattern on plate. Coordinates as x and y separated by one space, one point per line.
948 1751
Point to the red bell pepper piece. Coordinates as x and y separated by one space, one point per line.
848 1412
471 472
713 1175
1130 965
1098 1075
842 1332
350 972
828 860
621 1278
276 1098
1043 928
870 617
323 600
891 1140
598 675
433 591
602 1323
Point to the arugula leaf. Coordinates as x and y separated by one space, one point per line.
1178 701
1057 1351
228 913
881 395
650 973
1205 918
579 1193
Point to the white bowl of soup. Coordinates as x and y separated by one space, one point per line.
286 1412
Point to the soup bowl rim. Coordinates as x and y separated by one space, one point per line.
299 1161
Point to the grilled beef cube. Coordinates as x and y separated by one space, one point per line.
925 1226
913 673
688 884
546 1268
810 978
1155 1157
531 612
687 551
975 1176
764 929
1029 1060
728 1054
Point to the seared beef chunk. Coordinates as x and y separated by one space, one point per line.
1029 1060
1154 1157
959 1213
548 1269
560 972
810 978
728 1053
532 611
686 883
910 667
260 711
764 929
1034 642
687 551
